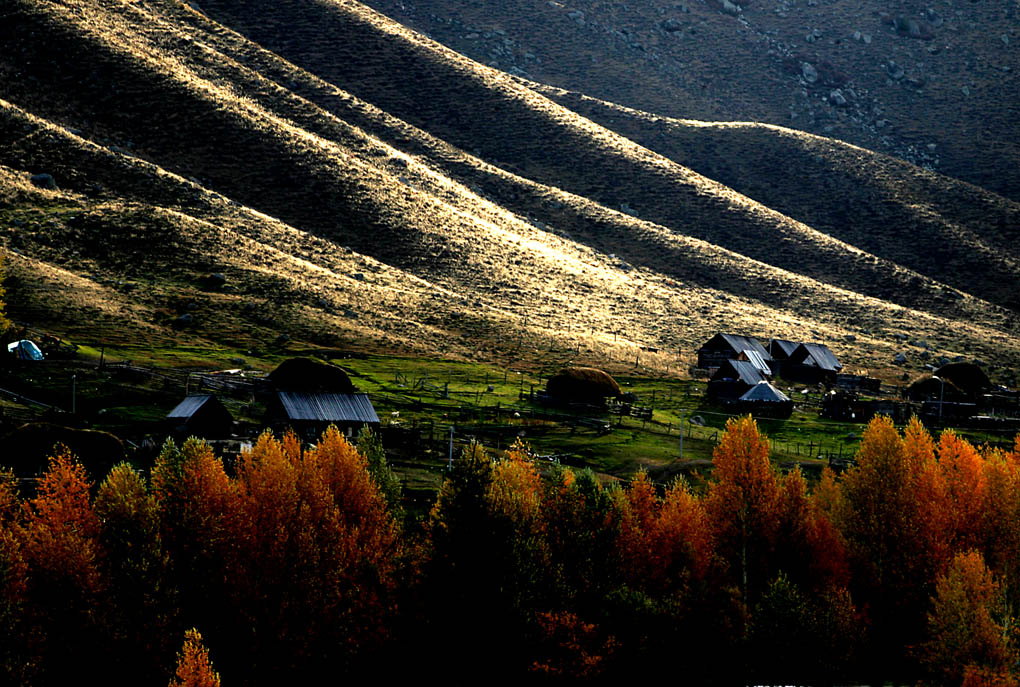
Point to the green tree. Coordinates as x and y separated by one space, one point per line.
370 445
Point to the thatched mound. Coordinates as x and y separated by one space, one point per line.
967 377
582 384
310 374
930 388
28 448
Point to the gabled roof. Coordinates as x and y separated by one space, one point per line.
189 406
739 343
326 407
782 348
763 391
755 359
739 369
816 355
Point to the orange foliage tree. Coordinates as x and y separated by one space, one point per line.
65 593
194 669
744 505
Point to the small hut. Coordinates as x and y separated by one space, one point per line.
765 400
582 385
200 415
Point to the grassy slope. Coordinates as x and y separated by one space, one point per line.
383 176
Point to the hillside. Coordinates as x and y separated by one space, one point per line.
931 83
351 182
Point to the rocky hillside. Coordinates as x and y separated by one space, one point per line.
932 83
236 171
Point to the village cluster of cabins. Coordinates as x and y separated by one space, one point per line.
309 400
742 370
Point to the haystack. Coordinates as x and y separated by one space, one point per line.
930 388
310 374
967 377
582 385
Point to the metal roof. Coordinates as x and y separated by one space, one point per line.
739 369
324 407
744 343
818 355
763 391
759 363
785 347
189 406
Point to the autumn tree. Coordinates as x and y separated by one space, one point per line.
193 494
64 601
744 505
14 649
137 567
970 633
194 668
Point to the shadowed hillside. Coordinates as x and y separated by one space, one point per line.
354 182
931 83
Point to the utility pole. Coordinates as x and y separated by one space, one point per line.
681 434
450 464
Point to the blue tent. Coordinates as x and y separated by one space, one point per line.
24 350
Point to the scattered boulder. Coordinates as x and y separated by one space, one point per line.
894 70
837 98
913 28
729 8
185 320
808 71
45 181
900 359
672 25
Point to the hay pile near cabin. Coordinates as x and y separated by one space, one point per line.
582 385
967 377
310 374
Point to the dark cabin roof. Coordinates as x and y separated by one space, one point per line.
782 349
189 406
816 355
326 407
739 370
763 391
737 343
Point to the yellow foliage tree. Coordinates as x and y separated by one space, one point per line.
194 669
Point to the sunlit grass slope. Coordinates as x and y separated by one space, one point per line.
357 184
